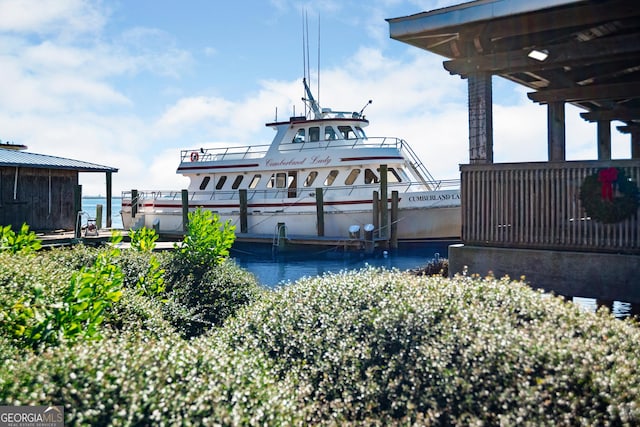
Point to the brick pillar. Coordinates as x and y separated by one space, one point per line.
480 118
556 132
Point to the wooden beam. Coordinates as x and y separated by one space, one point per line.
587 93
621 113
560 55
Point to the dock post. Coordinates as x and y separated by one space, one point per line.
282 234
98 216
384 203
243 210
185 210
320 211
109 200
77 208
369 243
376 212
134 203
394 220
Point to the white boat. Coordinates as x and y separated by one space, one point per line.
324 152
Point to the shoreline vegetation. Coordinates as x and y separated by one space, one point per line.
136 337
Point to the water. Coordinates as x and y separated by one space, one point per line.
273 269
89 206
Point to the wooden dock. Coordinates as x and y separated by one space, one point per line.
167 240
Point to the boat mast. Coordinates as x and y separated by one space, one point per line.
313 104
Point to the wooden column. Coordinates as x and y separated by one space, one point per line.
77 207
480 118
556 131
109 176
394 220
320 211
604 140
634 130
384 203
242 193
635 143
134 203
185 210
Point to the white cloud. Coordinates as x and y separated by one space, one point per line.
80 98
50 16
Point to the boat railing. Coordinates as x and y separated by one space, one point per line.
330 144
158 196
224 153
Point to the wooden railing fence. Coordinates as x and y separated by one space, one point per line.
537 206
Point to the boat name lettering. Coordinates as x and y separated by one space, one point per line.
315 160
321 160
284 162
429 197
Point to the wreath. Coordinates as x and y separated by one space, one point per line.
609 196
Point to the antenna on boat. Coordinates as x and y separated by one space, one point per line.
365 106
308 99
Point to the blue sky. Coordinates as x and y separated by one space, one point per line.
130 83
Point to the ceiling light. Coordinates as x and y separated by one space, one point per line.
539 55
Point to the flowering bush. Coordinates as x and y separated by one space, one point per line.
368 347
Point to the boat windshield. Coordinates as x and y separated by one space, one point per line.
349 132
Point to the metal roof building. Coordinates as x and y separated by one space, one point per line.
43 191
14 158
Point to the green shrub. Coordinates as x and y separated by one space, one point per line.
73 258
35 320
28 286
143 239
207 241
199 302
24 241
137 313
129 379
377 347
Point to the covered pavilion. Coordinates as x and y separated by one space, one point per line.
567 226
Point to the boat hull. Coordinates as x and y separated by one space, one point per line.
420 216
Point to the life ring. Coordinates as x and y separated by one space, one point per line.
194 156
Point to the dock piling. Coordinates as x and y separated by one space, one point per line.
242 193
320 211
185 210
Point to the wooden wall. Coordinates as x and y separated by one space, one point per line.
43 198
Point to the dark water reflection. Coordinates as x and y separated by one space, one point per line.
273 269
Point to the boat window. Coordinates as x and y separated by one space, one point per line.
314 134
280 180
331 177
254 181
221 182
308 182
329 133
205 182
237 181
346 132
360 133
292 184
392 175
299 136
352 177
370 177
396 176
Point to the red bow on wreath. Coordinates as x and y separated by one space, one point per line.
607 177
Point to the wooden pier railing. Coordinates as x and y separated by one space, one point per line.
538 206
